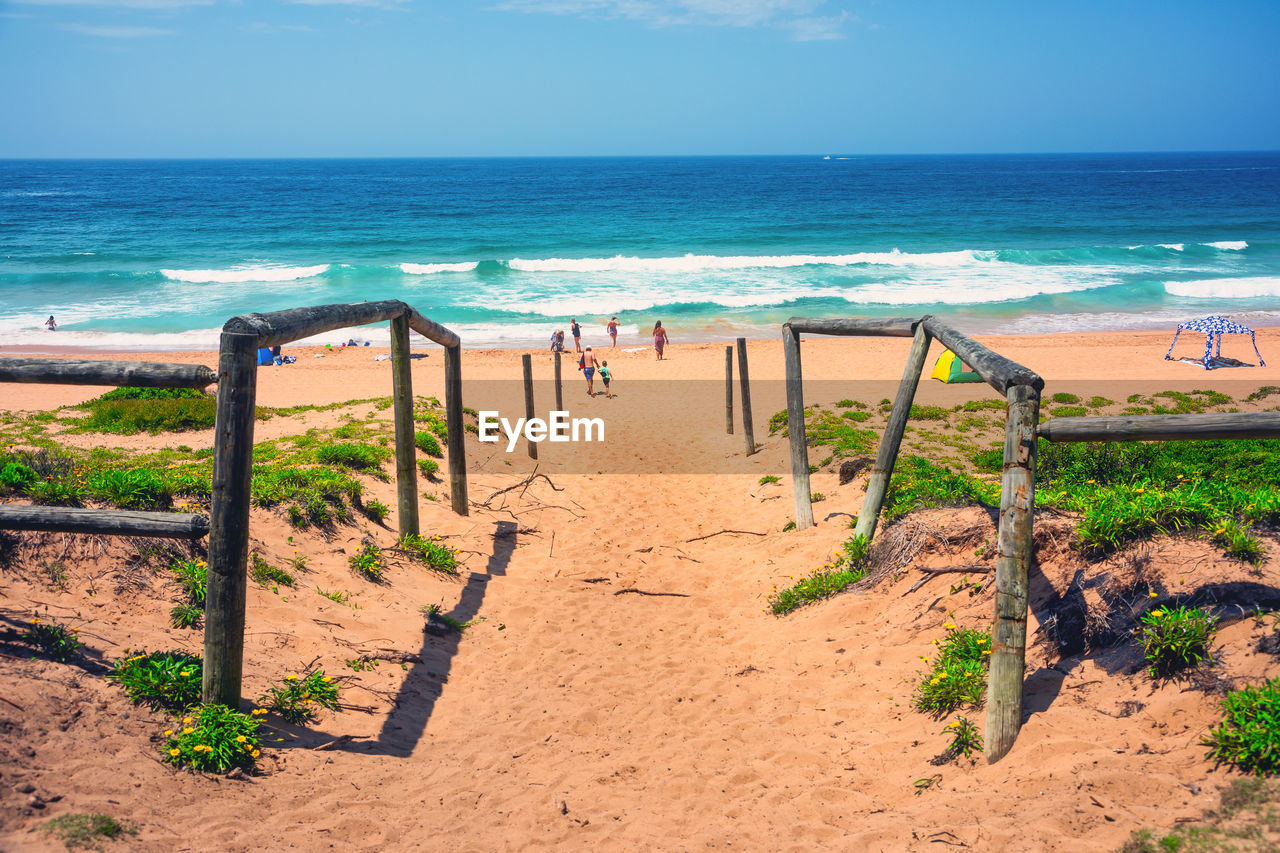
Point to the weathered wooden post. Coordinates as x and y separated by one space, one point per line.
229 520
795 427
456 429
402 395
527 361
887 456
1013 561
745 381
559 386
728 390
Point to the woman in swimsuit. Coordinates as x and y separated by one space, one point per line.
660 339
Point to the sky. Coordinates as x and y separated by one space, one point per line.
447 78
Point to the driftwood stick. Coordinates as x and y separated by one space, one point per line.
931 573
525 483
719 532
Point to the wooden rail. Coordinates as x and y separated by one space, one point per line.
137 374
1163 427
109 522
996 370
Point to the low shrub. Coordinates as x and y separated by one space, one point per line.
432 552
428 444
958 674
368 562
52 640
847 567
213 739
1249 735
298 696
169 680
1174 639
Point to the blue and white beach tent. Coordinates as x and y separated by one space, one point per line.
1214 328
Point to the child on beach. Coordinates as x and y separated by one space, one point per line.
605 375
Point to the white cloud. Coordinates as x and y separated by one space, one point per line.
793 15
118 32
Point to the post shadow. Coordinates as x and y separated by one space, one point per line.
424 682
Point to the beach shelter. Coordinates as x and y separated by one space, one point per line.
1214 328
949 368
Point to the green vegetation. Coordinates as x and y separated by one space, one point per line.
428 444
86 831
429 468
132 410
366 458
1064 397
847 567
376 510
769 478
1249 734
432 552
192 576
368 562
1174 639
336 596
169 680
965 737
828 429
1069 411
213 739
1245 820
918 483
434 610
186 615
52 640
957 676
928 413
298 696
266 575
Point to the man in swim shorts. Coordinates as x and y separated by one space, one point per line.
589 370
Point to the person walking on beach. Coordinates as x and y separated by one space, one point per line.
613 331
577 334
589 370
53 326
605 376
660 339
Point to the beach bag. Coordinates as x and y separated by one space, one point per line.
582 362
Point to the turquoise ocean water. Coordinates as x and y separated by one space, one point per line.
158 254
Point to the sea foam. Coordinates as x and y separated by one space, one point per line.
1225 288
236 275
428 269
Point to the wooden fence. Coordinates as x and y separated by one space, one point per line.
1021 388
228 523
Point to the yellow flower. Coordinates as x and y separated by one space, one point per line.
950 626
1154 594
291 678
986 651
1138 491
248 746
954 724
186 719
1091 481
255 753
942 675
241 738
173 752
188 730
933 681
327 679
168 732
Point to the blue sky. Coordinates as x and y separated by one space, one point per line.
309 78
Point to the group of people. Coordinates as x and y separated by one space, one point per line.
589 363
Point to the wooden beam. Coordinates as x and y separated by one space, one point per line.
894 327
283 327
526 362
138 374
744 382
887 456
1164 427
107 522
728 390
996 370
430 329
795 427
1013 563
406 458
229 520
456 429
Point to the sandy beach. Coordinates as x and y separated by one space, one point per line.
624 686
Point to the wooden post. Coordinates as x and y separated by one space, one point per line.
1013 561
137 374
527 361
795 427
728 390
229 520
559 386
1163 427
453 420
892 439
406 462
743 380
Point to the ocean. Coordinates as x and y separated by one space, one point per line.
158 254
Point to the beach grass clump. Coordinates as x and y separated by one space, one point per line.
312 495
1249 734
376 510
918 483
428 443
847 566
192 576
1068 411
17 478
432 553
366 458
213 739
127 411
52 640
169 680
268 576
1245 821
368 563
1065 397
769 478
1236 541
927 413
132 488
965 738
429 468
296 698
81 831
1176 638
957 676
186 615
